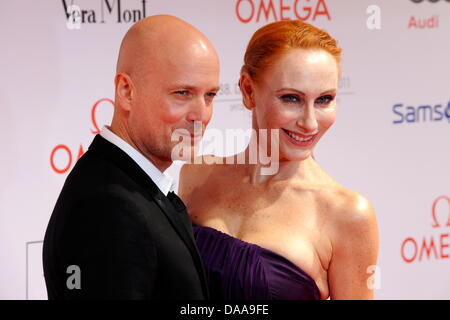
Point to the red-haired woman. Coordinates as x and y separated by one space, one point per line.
296 234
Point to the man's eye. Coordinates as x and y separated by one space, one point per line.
211 94
290 98
182 92
325 99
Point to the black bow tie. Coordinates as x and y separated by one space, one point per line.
176 201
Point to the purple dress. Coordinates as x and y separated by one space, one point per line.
239 270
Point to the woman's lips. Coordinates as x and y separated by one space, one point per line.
300 140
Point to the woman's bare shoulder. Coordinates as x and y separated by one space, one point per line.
348 204
353 234
353 219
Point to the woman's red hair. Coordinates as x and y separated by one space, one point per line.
274 39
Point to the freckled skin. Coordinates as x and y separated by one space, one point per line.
300 212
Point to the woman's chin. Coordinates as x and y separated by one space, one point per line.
297 155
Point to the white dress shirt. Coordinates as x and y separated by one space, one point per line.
163 180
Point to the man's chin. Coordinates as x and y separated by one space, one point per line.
185 153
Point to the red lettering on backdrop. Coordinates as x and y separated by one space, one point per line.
93 113
270 8
80 152
279 10
443 245
424 23
433 211
52 156
403 250
238 11
432 249
427 249
323 12
306 9
282 9
62 147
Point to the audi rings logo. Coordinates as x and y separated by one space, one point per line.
431 1
434 246
62 157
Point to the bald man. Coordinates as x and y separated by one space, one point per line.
117 230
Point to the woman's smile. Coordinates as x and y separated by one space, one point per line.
299 139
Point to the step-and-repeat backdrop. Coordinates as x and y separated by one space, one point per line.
390 141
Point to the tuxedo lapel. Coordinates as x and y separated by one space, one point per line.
179 220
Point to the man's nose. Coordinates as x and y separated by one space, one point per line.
198 111
307 122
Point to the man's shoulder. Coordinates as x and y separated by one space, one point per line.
99 183
99 187
95 171
102 156
89 203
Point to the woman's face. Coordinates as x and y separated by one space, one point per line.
297 95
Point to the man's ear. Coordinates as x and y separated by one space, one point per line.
124 91
248 92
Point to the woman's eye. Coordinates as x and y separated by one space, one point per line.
290 98
325 99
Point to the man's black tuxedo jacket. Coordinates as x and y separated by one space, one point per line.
127 238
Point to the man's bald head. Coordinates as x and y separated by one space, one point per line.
154 38
167 77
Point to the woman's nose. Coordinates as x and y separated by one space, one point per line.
307 122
